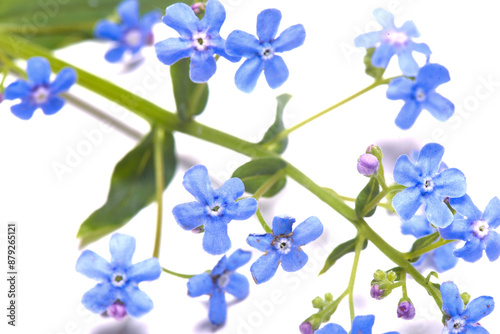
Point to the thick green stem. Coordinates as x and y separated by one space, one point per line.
379 197
159 138
357 252
441 242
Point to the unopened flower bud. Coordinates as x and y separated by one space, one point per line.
379 275
198 7
375 150
306 328
406 310
376 292
117 310
328 297
198 230
391 276
368 164
1 97
465 298
317 302
151 39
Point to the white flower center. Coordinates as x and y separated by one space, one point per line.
283 246
481 228
200 41
396 38
118 280
428 185
133 38
456 325
223 280
41 95
215 211
420 95
268 51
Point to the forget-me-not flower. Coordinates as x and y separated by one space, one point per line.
220 280
362 324
38 91
283 246
421 94
118 279
213 208
463 319
392 40
261 53
426 185
200 39
131 34
475 228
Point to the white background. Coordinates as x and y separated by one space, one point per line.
48 207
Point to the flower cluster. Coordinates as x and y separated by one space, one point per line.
361 324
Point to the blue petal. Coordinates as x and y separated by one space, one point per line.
238 286
407 202
458 229
275 71
265 267
122 248
450 183
452 302
291 38
429 159
282 225
421 48
261 242
172 50
53 105
249 72
331 329
147 270
242 209
492 213
17 90
492 242
108 30
136 302
64 80
149 20
200 285
400 89
203 66
471 251
181 17
383 55
406 172
268 22
93 266
407 63
385 18
367 40
100 297
220 267
129 12
418 226
219 45
115 54
231 190
294 260
409 29
432 75
215 239
24 110
472 329
190 215
478 309
408 114
439 107
218 309
242 44
38 70
437 211
466 207
307 231
444 259
197 182
215 14
237 259
362 324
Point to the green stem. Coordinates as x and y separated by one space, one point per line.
83 28
350 288
441 242
173 273
379 197
159 138
381 181
403 279
263 222
268 184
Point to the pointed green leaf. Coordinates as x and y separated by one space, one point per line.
132 188
374 72
278 125
366 196
422 243
339 251
256 172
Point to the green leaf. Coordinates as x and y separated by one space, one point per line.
339 251
422 243
369 192
256 172
374 72
190 98
278 125
132 188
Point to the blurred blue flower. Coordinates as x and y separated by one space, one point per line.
199 40
475 228
131 34
463 319
221 279
118 279
425 185
213 209
261 53
362 324
38 92
283 246
392 40
421 94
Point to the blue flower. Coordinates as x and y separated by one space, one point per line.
131 34
463 319
421 94
426 185
118 279
261 53
222 279
283 246
38 92
199 40
213 208
442 257
392 40
475 228
362 324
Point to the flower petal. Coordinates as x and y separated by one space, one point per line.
147 270
220 267
261 242
418 226
242 209
265 267
466 207
17 90
471 251
432 75
406 172
38 70
492 213
307 231
368 40
439 107
408 114
437 211
215 14
182 19
197 182
400 89
100 297
331 329
215 239
429 159
294 260
421 48
122 248
93 266
105 29
200 285
136 302
444 259
268 22
190 215
363 324
219 47
407 202
409 29
407 63
172 50
382 55
149 20
478 308
452 302
450 183
115 54
218 309
64 80
237 259
129 12
290 38
238 286
275 71
53 105
492 242
458 229
385 18
249 72
231 190
203 66
472 329
242 44
282 225
24 110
